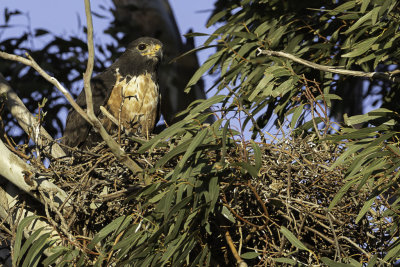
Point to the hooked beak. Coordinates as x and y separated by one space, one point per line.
154 51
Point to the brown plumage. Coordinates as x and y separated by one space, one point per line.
128 89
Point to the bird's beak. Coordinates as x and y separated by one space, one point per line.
154 51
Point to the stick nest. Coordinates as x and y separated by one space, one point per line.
293 190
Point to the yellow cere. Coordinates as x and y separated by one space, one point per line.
152 51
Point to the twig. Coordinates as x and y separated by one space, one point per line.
389 76
259 200
355 245
239 260
337 251
110 116
117 194
289 186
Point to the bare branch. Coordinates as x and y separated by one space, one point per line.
87 76
32 63
24 118
389 76
109 116
112 144
19 173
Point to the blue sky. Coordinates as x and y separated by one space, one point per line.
62 17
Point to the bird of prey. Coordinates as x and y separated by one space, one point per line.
128 90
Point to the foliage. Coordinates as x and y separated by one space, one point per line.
317 195
271 199
350 34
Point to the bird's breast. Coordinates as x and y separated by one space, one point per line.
133 102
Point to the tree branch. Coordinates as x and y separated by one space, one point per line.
112 144
389 76
24 118
32 63
18 172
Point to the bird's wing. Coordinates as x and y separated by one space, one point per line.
77 128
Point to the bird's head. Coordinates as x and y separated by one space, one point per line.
148 48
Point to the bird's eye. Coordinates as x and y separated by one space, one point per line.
142 47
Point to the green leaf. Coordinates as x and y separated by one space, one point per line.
157 197
292 239
364 5
18 238
341 192
172 248
247 167
197 140
194 34
283 88
345 7
36 251
275 36
366 207
206 66
180 149
28 243
372 115
372 261
250 255
179 206
361 47
56 253
117 225
217 17
257 155
227 214
356 25
206 104
224 137
392 253
261 86
285 260
297 111
328 97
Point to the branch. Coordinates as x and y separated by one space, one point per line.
240 262
389 76
24 118
112 144
32 63
19 173
110 117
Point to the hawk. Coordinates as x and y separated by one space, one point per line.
128 90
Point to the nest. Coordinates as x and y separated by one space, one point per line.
293 190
